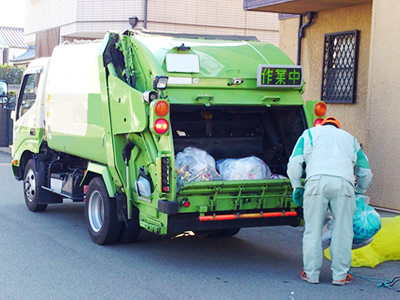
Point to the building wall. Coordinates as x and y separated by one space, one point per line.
12 53
80 18
212 17
289 29
372 119
92 18
42 15
384 104
352 116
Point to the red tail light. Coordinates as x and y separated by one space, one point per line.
161 126
161 108
318 122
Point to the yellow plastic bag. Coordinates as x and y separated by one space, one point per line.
384 247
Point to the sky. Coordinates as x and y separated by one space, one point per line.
12 13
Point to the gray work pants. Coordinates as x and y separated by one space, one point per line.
320 193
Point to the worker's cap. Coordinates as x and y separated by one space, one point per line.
331 121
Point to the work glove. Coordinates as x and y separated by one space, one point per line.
297 196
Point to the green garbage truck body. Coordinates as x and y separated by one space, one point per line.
103 121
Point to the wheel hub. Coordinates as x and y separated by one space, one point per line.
30 185
96 211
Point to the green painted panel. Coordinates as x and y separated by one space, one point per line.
235 195
24 141
128 111
91 145
221 96
105 173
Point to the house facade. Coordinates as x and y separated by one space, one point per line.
348 51
49 22
12 43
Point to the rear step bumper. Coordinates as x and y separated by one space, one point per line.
194 222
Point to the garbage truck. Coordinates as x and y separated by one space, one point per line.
101 122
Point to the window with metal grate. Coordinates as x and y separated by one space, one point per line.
339 73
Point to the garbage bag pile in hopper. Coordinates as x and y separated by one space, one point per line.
248 168
195 165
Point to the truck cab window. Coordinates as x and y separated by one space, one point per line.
28 93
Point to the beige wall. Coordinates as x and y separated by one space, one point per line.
372 119
79 18
352 116
225 17
383 120
92 18
289 29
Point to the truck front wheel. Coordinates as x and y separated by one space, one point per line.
32 188
101 214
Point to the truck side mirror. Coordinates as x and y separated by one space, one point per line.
3 88
3 92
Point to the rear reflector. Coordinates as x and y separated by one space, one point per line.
248 216
165 174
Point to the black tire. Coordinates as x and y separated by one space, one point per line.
101 214
32 188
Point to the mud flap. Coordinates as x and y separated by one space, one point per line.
45 197
122 212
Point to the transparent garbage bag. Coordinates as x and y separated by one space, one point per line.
193 164
327 236
366 223
327 230
243 168
384 247
278 176
366 220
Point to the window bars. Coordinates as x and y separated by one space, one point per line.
339 73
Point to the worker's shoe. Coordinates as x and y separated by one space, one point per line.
305 278
348 279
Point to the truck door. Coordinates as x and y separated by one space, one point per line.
26 122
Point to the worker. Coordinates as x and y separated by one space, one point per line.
331 157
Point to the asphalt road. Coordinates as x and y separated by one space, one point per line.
50 256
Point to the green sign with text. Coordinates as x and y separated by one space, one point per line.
277 76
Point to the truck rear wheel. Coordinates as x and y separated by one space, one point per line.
32 188
101 214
